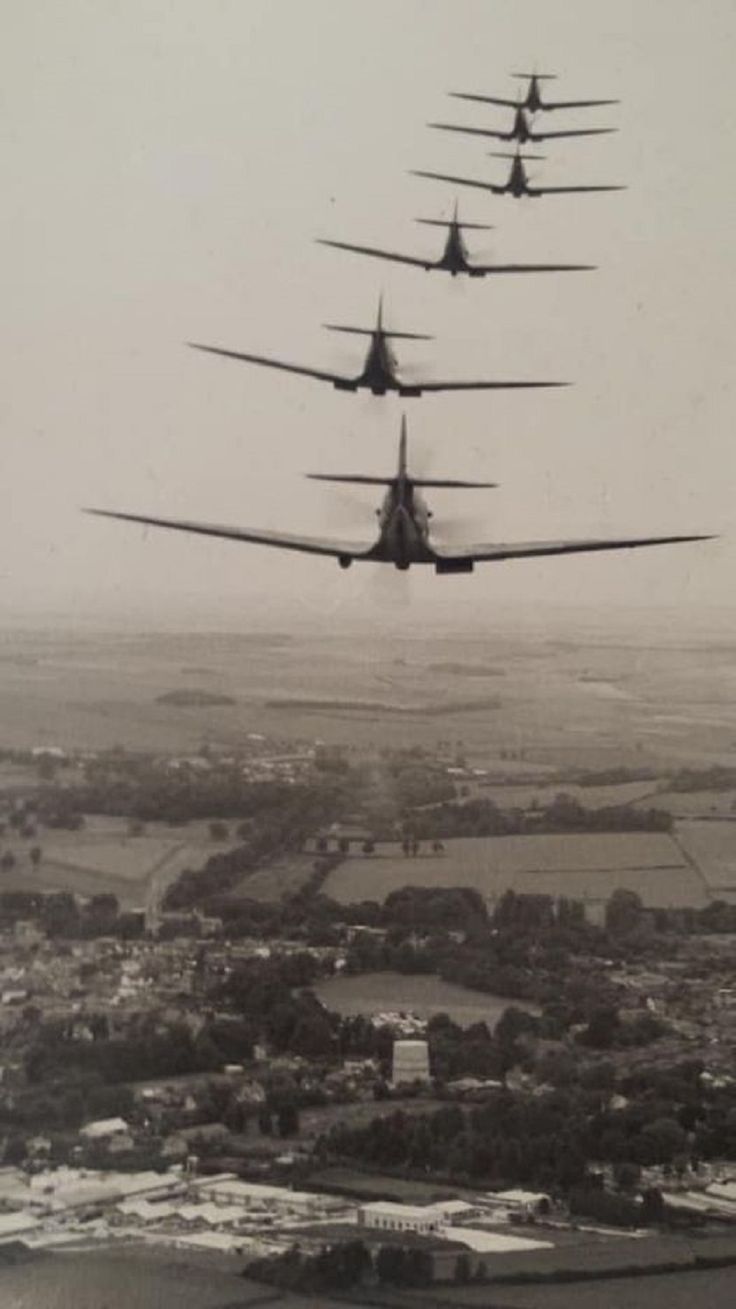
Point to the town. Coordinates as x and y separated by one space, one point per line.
389 1014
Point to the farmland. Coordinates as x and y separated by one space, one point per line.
586 866
373 993
712 846
585 701
104 857
712 1287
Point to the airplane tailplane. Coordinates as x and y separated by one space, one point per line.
372 331
362 479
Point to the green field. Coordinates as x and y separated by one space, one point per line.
373 993
104 857
581 865
712 846
711 1289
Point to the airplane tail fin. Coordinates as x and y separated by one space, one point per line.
402 450
539 77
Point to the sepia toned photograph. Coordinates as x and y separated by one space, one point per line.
368 655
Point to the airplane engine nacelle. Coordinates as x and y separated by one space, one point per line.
344 561
454 565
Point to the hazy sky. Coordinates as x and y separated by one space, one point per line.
166 167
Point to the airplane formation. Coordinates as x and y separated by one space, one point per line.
404 518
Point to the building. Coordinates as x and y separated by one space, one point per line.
518 1203
262 1197
423 1219
105 1129
387 1216
410 1062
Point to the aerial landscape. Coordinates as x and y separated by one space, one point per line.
367 933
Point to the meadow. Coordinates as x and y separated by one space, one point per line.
104 857
581 865
712 846
374 993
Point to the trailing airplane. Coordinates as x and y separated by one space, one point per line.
517 184
522 130
532 100
403 529
379 373
454 258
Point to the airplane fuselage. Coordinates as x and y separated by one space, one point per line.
518 183
379 371
403 521
454 258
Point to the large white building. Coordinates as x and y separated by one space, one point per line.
386 1215
410 1062
259 1197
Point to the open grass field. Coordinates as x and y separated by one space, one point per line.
374 993
643 794
712 846
712 1288
693 804
282 878
585 865
104 857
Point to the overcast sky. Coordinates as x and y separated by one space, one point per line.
166 168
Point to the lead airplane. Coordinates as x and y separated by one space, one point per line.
379 373
523 131
403 529
532 100
454 258
517 184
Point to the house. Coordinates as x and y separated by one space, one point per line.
105 1129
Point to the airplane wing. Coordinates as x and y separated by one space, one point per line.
474 131
485 99
567 190
579 131
480 270
416 388
378 254
529 549
461 181
281 540
272 363
577 104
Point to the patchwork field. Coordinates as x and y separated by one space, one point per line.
374 993
586 865
104 857
592 699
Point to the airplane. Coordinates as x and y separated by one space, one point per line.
454 258
532 100
523 131
403 529
379 370
517 184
